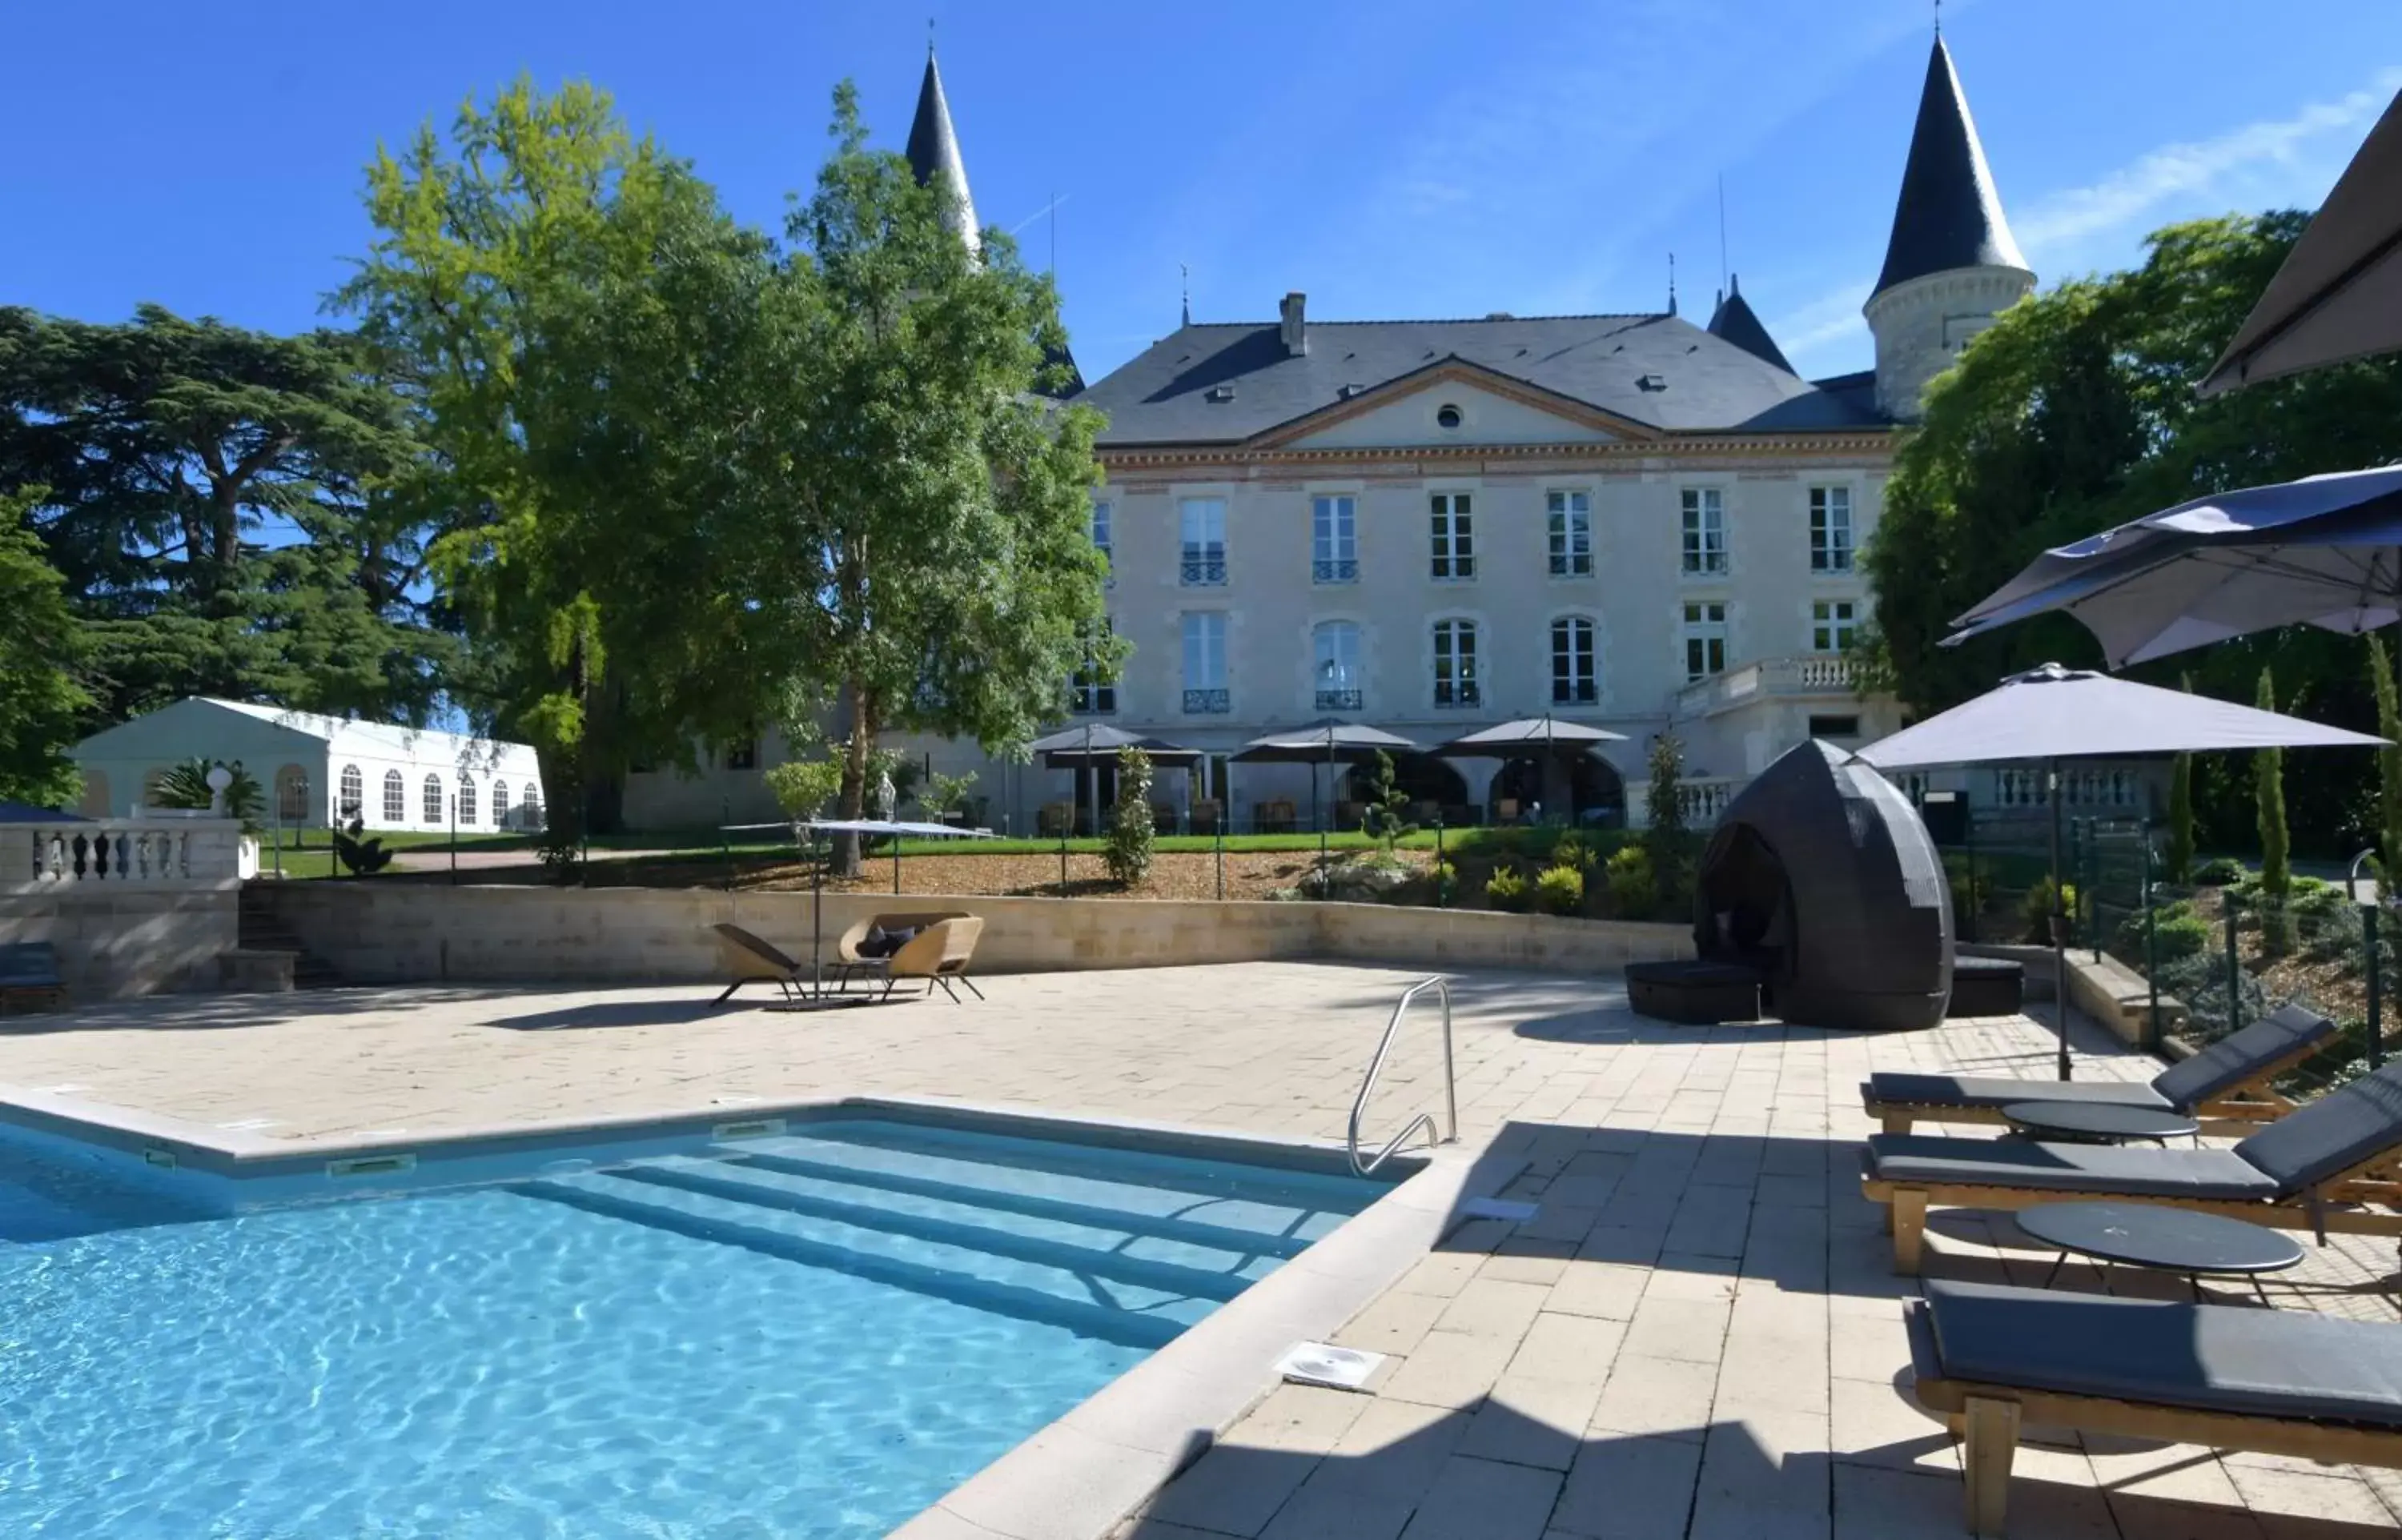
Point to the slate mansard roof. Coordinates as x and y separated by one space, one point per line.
1658 370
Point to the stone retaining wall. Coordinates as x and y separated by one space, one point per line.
117 939
374 931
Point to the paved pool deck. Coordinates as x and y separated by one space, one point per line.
1697 1334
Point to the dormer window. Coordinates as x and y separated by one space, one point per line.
1651 383
1446 416
1222 393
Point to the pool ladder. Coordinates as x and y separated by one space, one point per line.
1376 1065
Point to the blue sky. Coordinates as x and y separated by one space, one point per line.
1400 157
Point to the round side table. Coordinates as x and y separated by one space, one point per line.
2097 1122
2176 1240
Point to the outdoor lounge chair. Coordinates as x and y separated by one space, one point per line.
2226 1086
1990 1360
29 978
939 954
751 960
2318 1169
849 958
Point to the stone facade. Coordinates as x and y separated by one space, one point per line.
158 923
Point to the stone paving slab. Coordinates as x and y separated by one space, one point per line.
1697 1334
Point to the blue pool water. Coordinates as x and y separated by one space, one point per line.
812 1334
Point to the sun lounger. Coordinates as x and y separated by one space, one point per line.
2226 1086
751 960
849 958
940 954
2320 1168
1991 1360
29 978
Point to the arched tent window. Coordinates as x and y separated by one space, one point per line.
500 804
95 795
434 814
529 810
354 794
292 796
468 800
395 798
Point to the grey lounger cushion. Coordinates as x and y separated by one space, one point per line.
29 965
2238 1056
2231 1359
2000 1091
2332 1135
2213 1072
1927 1160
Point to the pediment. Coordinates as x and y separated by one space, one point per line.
1494 409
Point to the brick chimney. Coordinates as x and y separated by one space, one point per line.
1294 329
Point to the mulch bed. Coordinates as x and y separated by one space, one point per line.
1174 874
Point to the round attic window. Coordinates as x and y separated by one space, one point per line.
1446 416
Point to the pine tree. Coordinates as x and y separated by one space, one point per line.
39 699
2268 787
1131 826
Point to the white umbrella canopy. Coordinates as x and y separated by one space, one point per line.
2324 551
2053 713
1512 738
2338 295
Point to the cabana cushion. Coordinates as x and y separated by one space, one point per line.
2237 1359
2237 1057
1919 1160
881 942
2342 1129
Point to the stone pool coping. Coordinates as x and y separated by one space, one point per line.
1076 1479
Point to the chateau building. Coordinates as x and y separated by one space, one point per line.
1432 526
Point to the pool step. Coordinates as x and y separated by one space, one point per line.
1182 1192
1102 1244
1067 1293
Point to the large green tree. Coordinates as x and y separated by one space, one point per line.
2076 411
933 509
40 702
225 507
572 317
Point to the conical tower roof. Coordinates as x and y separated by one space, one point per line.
1734 322
1948 215
935 149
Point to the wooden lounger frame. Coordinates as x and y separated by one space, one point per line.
2338 1205
1987 1418
2245 1108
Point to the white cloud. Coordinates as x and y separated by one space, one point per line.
2172 172
1832 317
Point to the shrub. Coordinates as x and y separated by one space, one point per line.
2036 908
2180 933
1571 851
1634 891
186 786
802 787
1560 890
1385 819
2218 872
1506 890
1443 880
1131 826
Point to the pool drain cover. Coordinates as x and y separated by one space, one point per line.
1322 1364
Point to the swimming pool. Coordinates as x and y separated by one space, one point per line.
815 1332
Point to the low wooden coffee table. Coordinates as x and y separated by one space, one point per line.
2176 1240
2097 1122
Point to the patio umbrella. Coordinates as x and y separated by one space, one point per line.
1546 735
2338 294
2054 713
1096 744
2323 551
1325 741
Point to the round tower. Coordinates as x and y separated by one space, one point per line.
1950 265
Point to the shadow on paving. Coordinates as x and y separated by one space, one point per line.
209 1012
1512 1451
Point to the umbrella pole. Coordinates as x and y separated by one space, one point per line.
2059 922
1317 811
817 919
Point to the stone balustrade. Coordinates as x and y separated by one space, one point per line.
156 850
1811 674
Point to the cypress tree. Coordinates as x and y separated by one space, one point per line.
2268 787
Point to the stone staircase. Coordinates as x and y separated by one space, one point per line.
263 931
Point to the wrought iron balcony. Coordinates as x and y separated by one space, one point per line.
1345 570
1203 571
1207 703
1339 700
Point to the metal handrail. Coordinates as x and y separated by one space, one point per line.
1376 1065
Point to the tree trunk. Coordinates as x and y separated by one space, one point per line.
854 777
